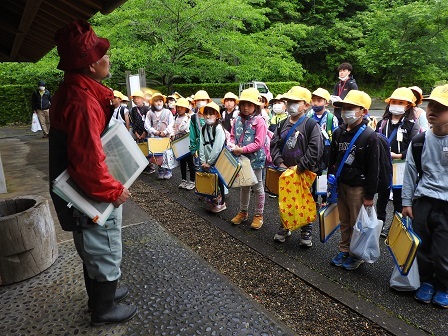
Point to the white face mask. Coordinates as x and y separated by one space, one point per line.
210 120
41 88
343 78
277 108
200 104
349 117
293 109
171 105
397 109
158 107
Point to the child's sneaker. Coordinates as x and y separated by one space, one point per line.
257 222
239 218
167 175
305 239
440 299
218 208
281 234
339 259
425 293
183 184
161 175
352 263
190 185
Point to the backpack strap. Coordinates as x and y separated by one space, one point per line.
291 130
348 150
418 142
329 128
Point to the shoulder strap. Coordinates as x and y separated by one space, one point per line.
349 148
418 142
383 123
330 117
291 130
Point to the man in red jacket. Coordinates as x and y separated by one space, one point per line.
80 112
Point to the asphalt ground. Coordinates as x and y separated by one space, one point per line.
366 290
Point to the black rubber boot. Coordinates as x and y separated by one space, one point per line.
104 310
120 293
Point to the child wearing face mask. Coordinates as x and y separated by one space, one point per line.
301 148
159 123
327 123
200 99
399 128
357 182
248 137
278 112
212 140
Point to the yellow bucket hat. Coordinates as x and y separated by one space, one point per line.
118 94
158 95
183 102
251 95
138 93
211 105
357 98
298 93
322 93
201 95
440 95
230 95
278 97
402 93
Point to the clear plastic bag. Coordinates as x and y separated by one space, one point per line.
404 283
366 234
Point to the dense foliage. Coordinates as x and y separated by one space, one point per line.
389 43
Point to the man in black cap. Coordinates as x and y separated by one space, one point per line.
80 112
40 103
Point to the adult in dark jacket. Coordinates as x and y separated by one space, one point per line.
40 103
345 84
80 112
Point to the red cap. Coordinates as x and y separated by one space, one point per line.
78 46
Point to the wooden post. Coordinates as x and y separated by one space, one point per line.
27 238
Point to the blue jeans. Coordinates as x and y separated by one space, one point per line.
100 247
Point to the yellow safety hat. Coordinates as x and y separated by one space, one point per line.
118 94
322 93
230 95
439 94
183 102
158 95
211 105
298 93
402 93
251 95
138 93
201 95
278 97
357 98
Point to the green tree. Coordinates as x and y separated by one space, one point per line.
406 44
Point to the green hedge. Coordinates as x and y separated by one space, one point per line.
16 104
218 90
16 107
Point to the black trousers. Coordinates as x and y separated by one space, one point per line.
383 199
430 223
187 160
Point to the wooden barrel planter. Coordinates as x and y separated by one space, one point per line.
27 238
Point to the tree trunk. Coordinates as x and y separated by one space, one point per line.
27 238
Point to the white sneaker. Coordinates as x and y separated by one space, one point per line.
183 184
190 185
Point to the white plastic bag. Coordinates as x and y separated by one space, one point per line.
35 124
246 176
366 234
403 283
169 161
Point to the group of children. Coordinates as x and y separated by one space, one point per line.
307 135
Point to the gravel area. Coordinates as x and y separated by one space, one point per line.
303 308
